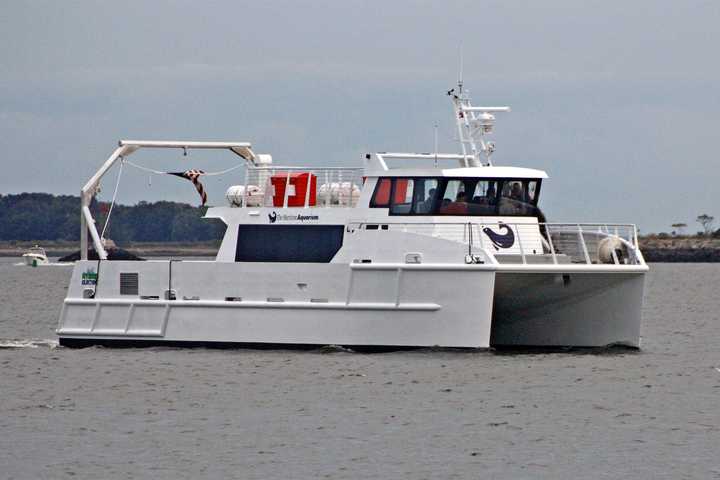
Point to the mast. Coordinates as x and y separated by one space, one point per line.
473 123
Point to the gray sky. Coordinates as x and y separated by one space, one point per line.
618 101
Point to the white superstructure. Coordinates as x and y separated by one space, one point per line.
421 255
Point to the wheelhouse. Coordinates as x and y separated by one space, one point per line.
457 196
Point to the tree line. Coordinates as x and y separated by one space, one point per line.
706 222
42 216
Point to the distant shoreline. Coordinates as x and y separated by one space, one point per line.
143 249
680 249
655 249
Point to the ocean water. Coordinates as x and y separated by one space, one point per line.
201 413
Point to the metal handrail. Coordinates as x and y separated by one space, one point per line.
303 169
342 185
573 242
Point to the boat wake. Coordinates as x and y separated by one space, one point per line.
334 349
34 343
53 264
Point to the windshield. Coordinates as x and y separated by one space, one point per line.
458 196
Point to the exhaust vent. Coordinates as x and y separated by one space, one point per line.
129 284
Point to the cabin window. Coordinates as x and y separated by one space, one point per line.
485 192
519 197
425 194
469 197
483 200
288 243
381 196
402 196
532 191
454 199
458 196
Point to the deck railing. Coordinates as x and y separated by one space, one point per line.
334 187
594 243
568 243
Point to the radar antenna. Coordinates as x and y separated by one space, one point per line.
473 123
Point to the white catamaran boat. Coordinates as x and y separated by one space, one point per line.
374 256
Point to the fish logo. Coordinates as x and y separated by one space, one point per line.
499 240
272 217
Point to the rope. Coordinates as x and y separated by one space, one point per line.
140 167
112 204
158 172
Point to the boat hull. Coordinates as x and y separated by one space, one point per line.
560 309
34 260
397 305
282 303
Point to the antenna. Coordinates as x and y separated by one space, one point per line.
473 123
436 144
460 73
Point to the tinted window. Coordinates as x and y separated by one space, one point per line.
519 197
458 196
454 199
468 197
288 243
483 200
402 196
381 196
532 192
425 195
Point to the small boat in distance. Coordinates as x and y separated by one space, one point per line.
35 256
445 249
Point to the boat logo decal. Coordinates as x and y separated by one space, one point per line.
499 241
274 217
89 277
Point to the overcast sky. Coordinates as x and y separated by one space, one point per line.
618 101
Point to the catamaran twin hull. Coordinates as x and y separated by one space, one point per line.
353 304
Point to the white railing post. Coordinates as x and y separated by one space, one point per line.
635 236
307 189
584 247
550 242
245 192
522 250
269 190
287 189
340 187
328 189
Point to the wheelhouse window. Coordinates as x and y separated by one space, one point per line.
470 196
402 196
519 197
457 196
425 194
381 196
454 199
